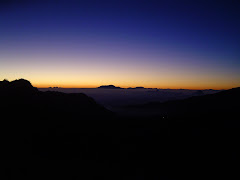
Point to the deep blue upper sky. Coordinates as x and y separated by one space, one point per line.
151 43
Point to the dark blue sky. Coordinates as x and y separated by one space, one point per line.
185 44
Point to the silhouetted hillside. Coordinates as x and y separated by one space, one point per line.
20 99
17 86
205 107
217 100
53 135
35 124
202 134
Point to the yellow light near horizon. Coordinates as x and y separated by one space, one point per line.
91 73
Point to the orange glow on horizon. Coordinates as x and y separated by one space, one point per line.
92 73
190 87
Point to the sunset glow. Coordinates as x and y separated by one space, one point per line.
120 43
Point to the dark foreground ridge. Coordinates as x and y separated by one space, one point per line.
52 135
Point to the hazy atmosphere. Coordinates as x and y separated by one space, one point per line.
155 44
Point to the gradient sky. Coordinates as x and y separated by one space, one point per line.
128 43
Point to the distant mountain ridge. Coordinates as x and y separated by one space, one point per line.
217 109
109 87
216 99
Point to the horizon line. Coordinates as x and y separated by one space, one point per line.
84 87
89 86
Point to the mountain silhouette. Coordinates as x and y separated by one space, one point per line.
200 132
16 86
20 96
53 135
38 125
216 109
109 87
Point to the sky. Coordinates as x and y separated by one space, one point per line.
128 43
